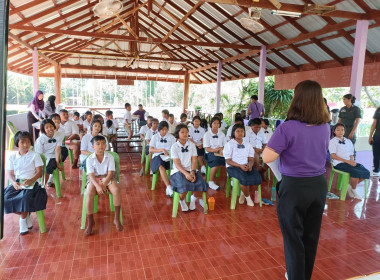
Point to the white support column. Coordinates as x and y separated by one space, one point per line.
262 72
218 86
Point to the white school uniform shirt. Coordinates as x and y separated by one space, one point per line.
149 134
184 157
100 168
157 144
197 137
223 125
238 155
115 123
172 127
104 131
166 120
341 150
42 146
24 167
86 145
86 125
127 117
78 122
111 130
144 129
210 142
267 132
256 140
69 128
229 132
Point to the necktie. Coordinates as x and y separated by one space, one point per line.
215 136
196 131
241 146
163 140
342 142
184 150
52 140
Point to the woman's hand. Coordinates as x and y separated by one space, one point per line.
244 167
189 177
17 186
351 136
352 163
28 182
165 152
370 140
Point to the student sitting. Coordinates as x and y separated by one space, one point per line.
100 118
342 153
172 124
266 129
213 142
109 116
144 129
101 180
184 176
127 120
239 157
50 145
196 133
71 132
160 146
77 120
238 120
204 124
24 194
183 119
87 121
86 146
165 115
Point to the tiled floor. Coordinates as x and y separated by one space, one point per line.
225 244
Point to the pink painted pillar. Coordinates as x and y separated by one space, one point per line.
263 66
359 58
218 86
35 70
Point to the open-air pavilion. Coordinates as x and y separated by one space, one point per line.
335 42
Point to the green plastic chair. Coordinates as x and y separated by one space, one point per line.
155 178
112 207
143 151
69 150
12 132
147 164
236 191
343 181
41 214
188 197
208 171
57 183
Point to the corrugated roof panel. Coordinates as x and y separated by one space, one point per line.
252 42
212 12
315 53
231 69
231 9
373 4
350 6
340 46
299 2
293 56
327 35
373 40
226 36
288 31
189 22
203 19
36 9
251 65
237 30
271 19
312 23
212 38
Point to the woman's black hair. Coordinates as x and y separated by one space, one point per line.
215 119
336 126
53 116
88 113
98 138
155 120
255 121
236 126
99 122
183 115
109 123
351 97
196 118
98 117
204 124
77 114
266 121
51 100
239 119
22 135
44 122
178 129
163 124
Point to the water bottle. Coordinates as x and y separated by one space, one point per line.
273 194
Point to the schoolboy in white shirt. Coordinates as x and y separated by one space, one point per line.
196 134
71 132
144 129
127 120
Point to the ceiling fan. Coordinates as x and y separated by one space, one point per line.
108 8
252 22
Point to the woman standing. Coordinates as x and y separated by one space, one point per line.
301 144
50 106
36 106
349 116
374 140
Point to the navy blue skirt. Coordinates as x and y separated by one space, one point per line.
246 178
32 200
213 160
200 152
358 171
157 162
181 185
147 150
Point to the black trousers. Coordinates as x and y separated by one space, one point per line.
376 152
32 120
300 208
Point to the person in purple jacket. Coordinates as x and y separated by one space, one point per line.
301 144
255 109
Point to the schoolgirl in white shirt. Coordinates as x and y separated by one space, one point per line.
184 176
24 194
160 146
342 153
196 133
213 142
50 146
266 129
150 133
96 128
239 157
238 120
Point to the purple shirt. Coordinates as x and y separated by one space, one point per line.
141 114
256 109
302 148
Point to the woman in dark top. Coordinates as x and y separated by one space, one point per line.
374 140
50 106
36 108
350 116
301 143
